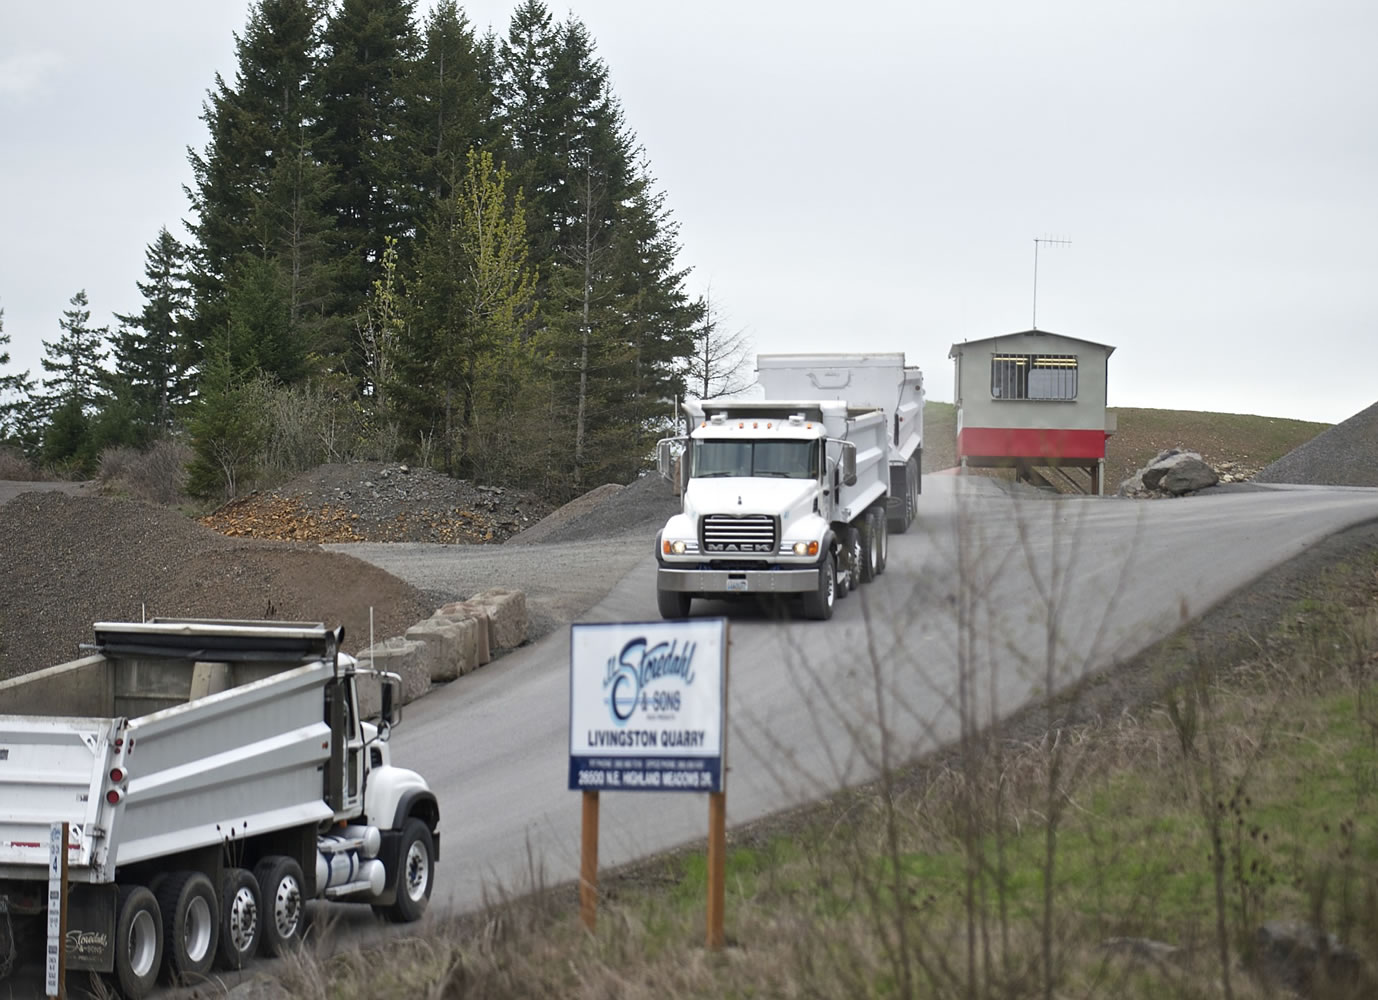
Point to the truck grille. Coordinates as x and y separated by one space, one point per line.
748 533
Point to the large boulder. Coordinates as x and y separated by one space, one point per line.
1172 472
1187 476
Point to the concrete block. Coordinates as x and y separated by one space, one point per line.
404 657
483 633
446 645
507 611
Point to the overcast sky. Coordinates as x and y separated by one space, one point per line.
863 176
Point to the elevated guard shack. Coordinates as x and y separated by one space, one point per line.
1034 401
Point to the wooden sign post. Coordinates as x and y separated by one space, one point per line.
648 712
588 862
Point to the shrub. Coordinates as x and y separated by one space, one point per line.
13 465
157 474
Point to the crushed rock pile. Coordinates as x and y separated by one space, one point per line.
71 561
379 502
610 511
1343 455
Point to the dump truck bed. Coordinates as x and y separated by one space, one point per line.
160 749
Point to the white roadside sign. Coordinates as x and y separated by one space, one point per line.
646 706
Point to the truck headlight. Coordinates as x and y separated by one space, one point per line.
806 548
675 548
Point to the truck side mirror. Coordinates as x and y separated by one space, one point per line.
391 715
849 463
669 451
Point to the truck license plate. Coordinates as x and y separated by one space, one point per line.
736 585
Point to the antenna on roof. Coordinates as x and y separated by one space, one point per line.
1037 241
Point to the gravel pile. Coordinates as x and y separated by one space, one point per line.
379 502
1343 455
69 561
640 508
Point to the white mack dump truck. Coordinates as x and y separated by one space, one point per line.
215 776
794 493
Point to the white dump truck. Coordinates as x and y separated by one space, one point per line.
214 776
793 494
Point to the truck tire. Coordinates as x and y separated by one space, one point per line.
138 941
882 540
280 889
673 603
819 604
900 522
854 557
191 926
241 919
868 546
415 873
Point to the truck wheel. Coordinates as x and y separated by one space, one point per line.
819 604
882 541
241 919
868 547
855 556
138 941
191 928
673 603
900 524
279 881
415 873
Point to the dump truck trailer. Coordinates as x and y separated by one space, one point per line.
213 777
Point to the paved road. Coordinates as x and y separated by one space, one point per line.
806 697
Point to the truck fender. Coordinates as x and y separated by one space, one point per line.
421 804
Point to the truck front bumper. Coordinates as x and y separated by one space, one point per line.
727 581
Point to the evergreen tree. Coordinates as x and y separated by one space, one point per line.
74 359
295 231
18 422
367 94
229 428
255 126
528 115
153 361
455 103
258 335
654 323
74 392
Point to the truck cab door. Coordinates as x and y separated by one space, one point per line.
345 778
353 802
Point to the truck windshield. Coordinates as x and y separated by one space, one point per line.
785 459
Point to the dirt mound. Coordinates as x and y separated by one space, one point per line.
379 502
70 561
640 508
1343 455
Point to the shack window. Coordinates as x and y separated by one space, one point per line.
1033 376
